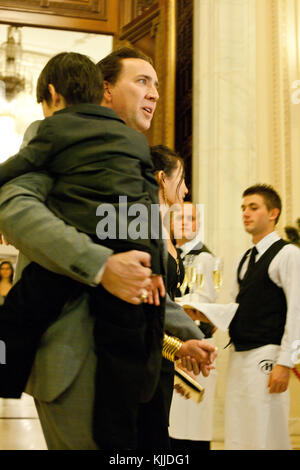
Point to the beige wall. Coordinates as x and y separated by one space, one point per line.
246 58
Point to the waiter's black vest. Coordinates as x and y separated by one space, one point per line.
206 328
199 248
261 315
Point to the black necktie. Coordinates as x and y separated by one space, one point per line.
251 261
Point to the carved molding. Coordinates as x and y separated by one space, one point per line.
154 34
93 16
93 9
184 85
132 9
165 64
140 27
141 6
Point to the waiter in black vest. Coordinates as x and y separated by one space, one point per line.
191 424
263 330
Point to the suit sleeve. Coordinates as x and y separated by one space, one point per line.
33 156
30 133
179 324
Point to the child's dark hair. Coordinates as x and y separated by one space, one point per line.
166 160
269 195
74 76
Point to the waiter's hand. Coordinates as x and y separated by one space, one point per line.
128 276
279 379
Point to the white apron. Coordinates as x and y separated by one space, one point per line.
254 418
190 420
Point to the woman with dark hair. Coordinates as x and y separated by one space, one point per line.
6 279
169 172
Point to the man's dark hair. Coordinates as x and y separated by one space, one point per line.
74 76
111 65
269 195
166 160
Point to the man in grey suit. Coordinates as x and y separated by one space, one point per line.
62 379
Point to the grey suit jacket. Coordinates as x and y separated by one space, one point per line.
41 237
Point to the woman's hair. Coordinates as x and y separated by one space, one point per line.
12 270
166 160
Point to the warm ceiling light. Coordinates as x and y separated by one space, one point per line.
10 64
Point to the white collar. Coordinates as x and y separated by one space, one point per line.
266 242
188 246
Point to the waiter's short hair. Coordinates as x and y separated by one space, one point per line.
269 195
111 65
75 76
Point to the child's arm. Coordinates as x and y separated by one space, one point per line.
32 157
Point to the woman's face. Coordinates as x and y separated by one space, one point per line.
175 189
5 271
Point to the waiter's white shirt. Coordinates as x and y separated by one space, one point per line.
284 271
190 420
208 292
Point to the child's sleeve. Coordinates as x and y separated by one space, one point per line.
33 156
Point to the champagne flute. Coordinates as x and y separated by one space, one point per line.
184 284
218 273
191 277
199 279
186 262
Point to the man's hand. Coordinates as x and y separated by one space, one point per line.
279 379
128 275
157 289
197 356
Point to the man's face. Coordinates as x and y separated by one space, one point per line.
133 97
258 219
186 222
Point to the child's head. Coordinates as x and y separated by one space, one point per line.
73 76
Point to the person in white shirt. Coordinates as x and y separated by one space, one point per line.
191 424
263 331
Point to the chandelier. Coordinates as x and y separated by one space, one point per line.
11 80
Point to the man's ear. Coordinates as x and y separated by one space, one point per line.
274 213
160 176
107 95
